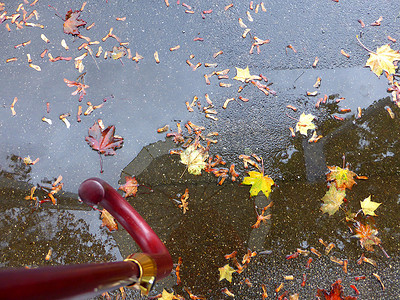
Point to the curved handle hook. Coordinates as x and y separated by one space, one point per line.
94 191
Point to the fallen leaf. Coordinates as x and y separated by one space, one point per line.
367 234
341 178
259 182
383 60
243 75
194 159
72 22
332 200
166 295
368 207
225 272
103 140
118 52
108 220
130 187
305 123
335 293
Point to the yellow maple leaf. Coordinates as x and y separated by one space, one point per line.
243 75
305 123
259 182
383 60
332 200
167 296
368 207
225 272
194 159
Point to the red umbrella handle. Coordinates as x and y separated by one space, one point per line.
95 191
139 270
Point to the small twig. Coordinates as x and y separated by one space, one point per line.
57 14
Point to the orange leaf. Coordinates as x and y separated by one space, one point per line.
130 187
335 293
108 220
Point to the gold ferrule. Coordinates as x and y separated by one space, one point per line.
148 272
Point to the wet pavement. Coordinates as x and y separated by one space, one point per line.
145 96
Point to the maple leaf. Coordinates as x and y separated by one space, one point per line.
194 159
72 22
108 220
243 75
259 182
305 123
367 233
335 293
118 52
130 187
383 60
368 207
103 140
166 295
332 200
342 178
225 272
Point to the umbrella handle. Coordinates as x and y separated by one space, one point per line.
139 270
95 191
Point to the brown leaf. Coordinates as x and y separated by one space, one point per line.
130 187
108 220
103 140
72 22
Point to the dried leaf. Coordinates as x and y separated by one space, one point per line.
368 207
225 272
72 22
367 233
383 60
166 295
305 123
194 159
242 74
341 178
332 200
104 141
335 293
130 187
108 220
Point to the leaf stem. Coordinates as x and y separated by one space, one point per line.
362 45
292 117
57 14
101 163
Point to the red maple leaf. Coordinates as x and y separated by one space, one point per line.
103 140
130 187
72 22
336 293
